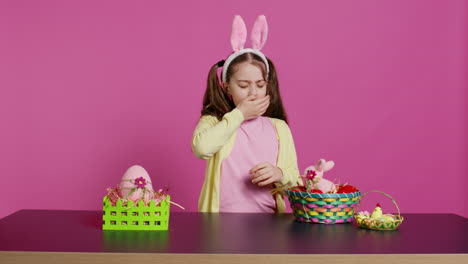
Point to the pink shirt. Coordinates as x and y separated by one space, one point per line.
255 142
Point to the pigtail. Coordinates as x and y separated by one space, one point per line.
216 101
275 109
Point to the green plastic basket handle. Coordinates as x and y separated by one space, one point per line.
393 200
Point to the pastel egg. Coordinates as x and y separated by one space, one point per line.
388 218
129 181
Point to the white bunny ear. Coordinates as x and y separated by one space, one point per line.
329 165
320 165
259 33
238 34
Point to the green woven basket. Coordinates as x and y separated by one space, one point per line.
376 224
326 208
135 216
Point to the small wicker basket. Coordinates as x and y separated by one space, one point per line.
376 224
326 208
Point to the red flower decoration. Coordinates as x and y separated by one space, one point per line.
311 174
140 182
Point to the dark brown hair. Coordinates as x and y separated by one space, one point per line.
216 101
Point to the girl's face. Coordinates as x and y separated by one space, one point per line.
247 80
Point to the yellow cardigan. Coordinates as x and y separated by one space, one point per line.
213 141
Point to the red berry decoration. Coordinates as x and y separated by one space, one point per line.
340 189
347 189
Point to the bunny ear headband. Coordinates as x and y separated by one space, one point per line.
238 37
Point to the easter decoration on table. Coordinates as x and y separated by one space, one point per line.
377 220
134 205
315 182
320 200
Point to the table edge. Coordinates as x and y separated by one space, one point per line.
15 257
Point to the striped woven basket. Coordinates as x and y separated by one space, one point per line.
327 208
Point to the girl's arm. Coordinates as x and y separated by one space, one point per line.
287 160
211 134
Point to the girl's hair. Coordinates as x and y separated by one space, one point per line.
216 101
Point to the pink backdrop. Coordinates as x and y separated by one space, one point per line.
89 88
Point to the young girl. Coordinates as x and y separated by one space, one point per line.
243 132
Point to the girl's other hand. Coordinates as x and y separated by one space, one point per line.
253 107
265 173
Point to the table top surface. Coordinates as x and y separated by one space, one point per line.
231 233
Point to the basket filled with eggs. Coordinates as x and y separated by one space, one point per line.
377 220
320 200
135 205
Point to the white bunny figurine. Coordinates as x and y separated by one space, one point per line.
319 168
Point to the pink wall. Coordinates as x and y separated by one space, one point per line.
89 88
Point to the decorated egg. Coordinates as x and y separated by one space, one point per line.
136 184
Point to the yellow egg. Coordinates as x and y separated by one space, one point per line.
388 218
360 216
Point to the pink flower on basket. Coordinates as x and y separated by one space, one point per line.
311 174
140 182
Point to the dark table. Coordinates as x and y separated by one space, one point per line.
77 236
